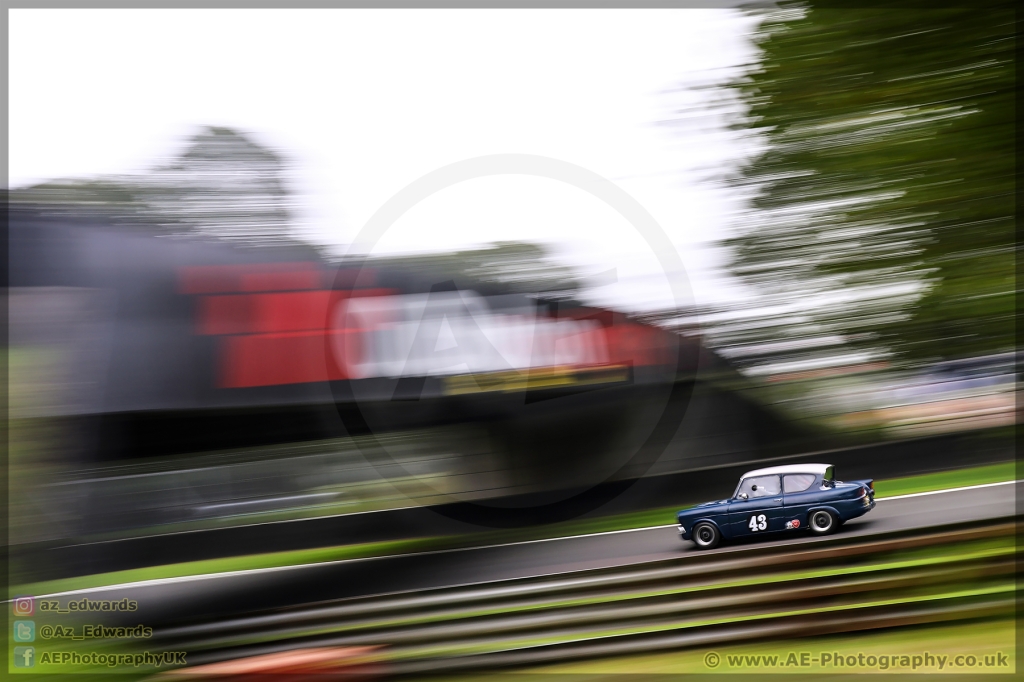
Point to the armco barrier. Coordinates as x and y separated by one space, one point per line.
833 585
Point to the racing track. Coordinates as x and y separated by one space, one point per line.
216 596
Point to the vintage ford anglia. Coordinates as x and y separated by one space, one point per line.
783 499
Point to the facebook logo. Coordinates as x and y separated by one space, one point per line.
24 656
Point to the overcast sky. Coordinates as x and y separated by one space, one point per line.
364 102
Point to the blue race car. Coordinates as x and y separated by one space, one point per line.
779 499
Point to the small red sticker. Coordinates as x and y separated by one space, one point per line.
796 523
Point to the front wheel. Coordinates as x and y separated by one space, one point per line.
823 522
706 536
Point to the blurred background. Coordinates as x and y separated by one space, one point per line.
209 372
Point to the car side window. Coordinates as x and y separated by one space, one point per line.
797 483
761 486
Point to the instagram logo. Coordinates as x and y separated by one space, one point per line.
24 606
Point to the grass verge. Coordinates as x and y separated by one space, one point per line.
991 643
227 565
943 480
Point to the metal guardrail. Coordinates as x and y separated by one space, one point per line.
835 584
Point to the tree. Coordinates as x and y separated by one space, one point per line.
223 185
884 187
520 267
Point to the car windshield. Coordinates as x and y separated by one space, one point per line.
760 486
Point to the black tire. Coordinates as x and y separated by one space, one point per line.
706 535
823 522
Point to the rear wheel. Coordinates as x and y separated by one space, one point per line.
823 522
706 536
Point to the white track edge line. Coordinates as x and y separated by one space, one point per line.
947 490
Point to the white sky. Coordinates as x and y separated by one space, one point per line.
363 102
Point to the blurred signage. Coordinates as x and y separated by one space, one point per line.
280 324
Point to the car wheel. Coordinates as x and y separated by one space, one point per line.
823 522
706 536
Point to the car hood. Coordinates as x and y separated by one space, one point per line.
705 505
711 504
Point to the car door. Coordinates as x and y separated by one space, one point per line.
799 493
761 511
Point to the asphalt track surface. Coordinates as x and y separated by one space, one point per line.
182 600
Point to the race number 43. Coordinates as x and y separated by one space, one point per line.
758 522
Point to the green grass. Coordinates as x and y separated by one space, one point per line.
934 557
653 517
228 564
465 650
980 639
957 478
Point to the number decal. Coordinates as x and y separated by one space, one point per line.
758 522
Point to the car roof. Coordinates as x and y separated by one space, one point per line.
818 469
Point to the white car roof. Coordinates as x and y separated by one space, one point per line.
818 469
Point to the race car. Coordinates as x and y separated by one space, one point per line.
780 499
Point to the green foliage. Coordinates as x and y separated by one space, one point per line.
498 268
885 179
224 184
